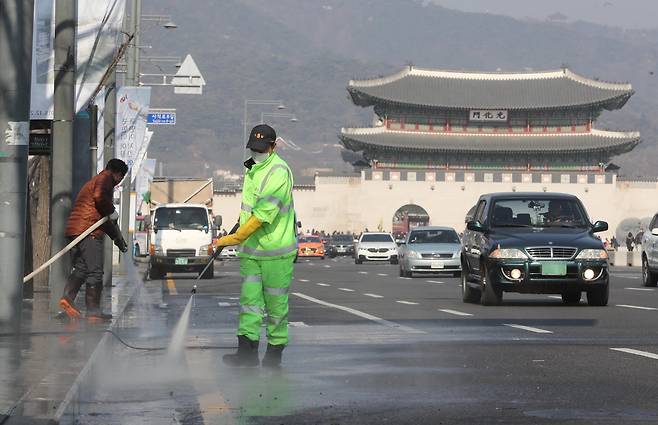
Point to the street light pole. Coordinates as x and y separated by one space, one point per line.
15 63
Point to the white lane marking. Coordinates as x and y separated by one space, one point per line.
624 276
358 313
555 297
433 281
373 295
298 325
327 266
637 307
637 352
528 328
406 278
407 302
225 304
346 289
334 260
303 280
641 289
382 274
455 312
322 284
363 272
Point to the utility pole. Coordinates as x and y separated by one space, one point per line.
15 70
62 146
132 79
109 117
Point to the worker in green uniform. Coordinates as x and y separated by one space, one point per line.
268 244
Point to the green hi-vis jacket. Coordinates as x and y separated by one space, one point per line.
267 194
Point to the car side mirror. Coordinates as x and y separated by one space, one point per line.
599 226
654 231
475 226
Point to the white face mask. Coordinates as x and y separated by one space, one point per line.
259 157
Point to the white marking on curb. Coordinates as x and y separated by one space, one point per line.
358 313
455 312
637 307
433 281
407 302
528 328
641 289
374 295
322 284
346 289
382 274
637 352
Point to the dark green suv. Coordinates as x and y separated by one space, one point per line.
536 243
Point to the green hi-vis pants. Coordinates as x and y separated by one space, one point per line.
265 287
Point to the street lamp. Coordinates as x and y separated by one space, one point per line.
276 103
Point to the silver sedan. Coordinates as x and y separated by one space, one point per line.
430 249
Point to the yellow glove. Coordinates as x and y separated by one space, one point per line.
241 234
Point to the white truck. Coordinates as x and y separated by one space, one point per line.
181 239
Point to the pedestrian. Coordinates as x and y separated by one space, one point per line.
615 243
93 202
629 241
268 245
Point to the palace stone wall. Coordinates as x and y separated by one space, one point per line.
371 200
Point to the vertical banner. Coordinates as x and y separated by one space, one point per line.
43 61
132 111
98 36
143 183
141 154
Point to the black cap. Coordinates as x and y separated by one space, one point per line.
261 137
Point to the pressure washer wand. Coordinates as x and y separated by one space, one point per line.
217 252
66 249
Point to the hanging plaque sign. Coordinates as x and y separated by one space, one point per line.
487 115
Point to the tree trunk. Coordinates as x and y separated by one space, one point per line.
37 244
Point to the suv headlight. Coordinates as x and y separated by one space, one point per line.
510 253
205 250
592 254
414 254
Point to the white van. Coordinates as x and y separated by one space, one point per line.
180 240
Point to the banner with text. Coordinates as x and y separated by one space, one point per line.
132 110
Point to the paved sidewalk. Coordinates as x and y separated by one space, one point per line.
39 366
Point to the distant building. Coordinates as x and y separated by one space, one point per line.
444 120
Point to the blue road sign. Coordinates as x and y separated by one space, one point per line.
161 118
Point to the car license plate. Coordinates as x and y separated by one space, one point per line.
554 268
180 261
436 265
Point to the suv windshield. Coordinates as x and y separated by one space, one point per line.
377 238
309 239
184 218
433 236
538 213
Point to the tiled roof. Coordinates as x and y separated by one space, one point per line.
496 90
358 139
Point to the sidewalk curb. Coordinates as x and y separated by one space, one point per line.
75 387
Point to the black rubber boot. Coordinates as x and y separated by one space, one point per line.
272 357
93 300
246 356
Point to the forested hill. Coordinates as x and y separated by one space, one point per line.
305 51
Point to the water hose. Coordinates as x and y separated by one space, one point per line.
216 253
66 249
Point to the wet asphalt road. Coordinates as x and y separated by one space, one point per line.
369 347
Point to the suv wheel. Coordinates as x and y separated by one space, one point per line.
469 295
571 298
598 297
649 278
489 295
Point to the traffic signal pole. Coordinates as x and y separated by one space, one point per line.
62 145
16 19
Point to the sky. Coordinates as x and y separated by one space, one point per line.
633 14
